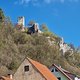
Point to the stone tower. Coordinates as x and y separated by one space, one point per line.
62 41
21 21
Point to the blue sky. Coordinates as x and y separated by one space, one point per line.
61 16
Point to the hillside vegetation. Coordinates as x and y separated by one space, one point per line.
15 46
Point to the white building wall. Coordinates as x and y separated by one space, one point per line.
76 78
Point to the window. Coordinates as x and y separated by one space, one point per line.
56 70
59 78
26 68
52 70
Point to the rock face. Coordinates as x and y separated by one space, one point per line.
64 47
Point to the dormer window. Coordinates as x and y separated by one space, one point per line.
52 70
56 70
26 68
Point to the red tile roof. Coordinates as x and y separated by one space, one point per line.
46 73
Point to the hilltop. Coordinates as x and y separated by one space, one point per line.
17 44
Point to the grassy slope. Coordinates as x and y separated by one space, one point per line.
16 45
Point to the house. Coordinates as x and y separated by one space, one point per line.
32 70
61 73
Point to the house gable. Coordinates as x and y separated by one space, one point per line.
33 70
59 73
27 71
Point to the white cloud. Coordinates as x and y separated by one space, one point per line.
27 2
22 2
53 1
41 2
61 1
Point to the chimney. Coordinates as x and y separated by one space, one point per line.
10 76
